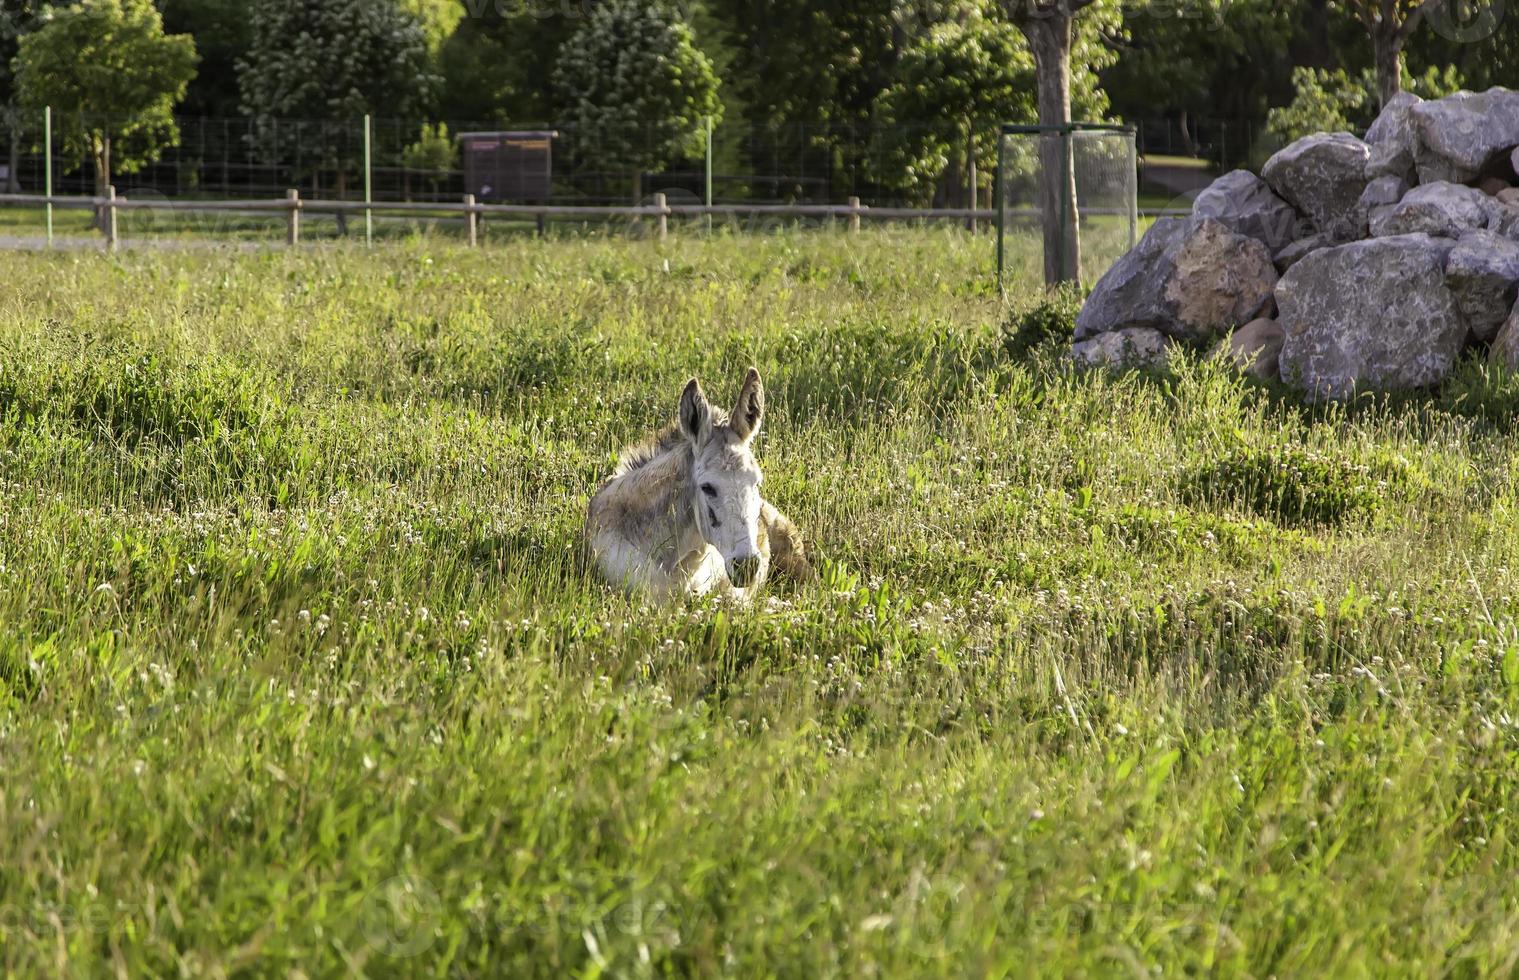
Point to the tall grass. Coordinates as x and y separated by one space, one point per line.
300 671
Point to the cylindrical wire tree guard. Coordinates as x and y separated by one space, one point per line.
1058 185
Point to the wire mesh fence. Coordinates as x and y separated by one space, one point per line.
241 157
1065 193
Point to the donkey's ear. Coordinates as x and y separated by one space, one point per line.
749 410
695 412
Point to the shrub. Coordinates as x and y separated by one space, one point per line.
1293 486
1049 322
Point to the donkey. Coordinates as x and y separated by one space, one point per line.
682 513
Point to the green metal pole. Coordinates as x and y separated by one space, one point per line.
998 203
47 156
709 173
368 188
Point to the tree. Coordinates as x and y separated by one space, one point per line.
16 19
1390 23
633 79
222 32
433 154
963 77
331 60
1050 28
113 78
1328 101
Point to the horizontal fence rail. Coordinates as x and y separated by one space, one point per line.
659 210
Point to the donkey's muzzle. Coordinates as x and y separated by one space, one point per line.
743 571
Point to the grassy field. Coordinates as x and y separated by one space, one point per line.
301 673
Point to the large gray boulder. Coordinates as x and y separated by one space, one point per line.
1246 204
1131 347
1392 139
1441 209
1190 278
1463 135
1375 313
1482 272
1322 176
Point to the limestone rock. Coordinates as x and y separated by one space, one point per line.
1374 313
1381 192
1392 139
1256 348
1190 278
1246 204
1505 349
1288 256
1482 272
1441 209
1128 347
1463 135
1322 176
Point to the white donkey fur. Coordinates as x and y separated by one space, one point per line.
682 513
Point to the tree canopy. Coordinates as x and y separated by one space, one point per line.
112 76
633 82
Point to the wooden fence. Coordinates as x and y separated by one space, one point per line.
292 205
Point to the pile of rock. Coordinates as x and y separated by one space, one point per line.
1346 264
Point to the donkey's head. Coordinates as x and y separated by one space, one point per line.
725 479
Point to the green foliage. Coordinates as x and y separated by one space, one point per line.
222 32
434 153
1325 101
633 81
956 83
1332 101
1291 485
109 72
335 60
300 671
1048 324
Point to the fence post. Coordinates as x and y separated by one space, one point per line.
47 156
708 196
293 220
368 186
110 218
664 221
471 220
854 214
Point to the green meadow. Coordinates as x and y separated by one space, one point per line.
302 672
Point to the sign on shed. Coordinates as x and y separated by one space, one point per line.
509 166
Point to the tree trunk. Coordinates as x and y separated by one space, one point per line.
1049 37
970 173
1387 50
13 181
637 187
100 152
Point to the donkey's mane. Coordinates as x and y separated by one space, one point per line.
670 437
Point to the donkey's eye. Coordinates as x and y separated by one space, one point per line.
709 489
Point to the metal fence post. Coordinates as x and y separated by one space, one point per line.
110 218
368 187
854 215
664 221
471 220
709 175
293 219
47 157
